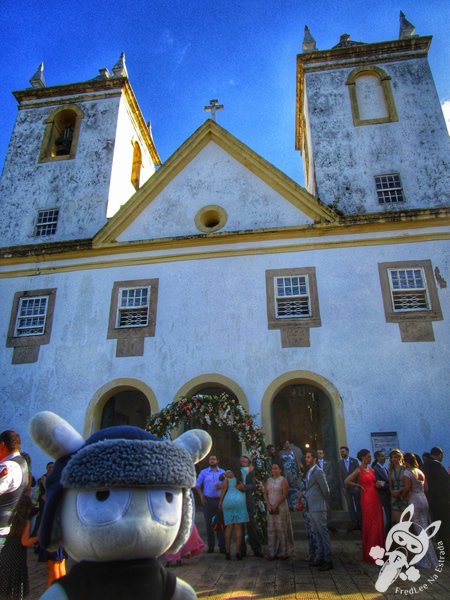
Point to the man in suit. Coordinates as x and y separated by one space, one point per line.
318 499
347 465
382 475
328 470
439 493
248 486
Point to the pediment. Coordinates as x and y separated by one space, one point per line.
213 184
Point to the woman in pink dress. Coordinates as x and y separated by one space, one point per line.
192 547
371 510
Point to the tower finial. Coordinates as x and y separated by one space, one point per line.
37 80
407 29
120 69
309 43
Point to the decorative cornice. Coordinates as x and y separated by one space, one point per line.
198 246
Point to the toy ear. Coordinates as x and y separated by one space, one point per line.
54 435
432 529
197 442
407 514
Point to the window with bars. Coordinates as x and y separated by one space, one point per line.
410 298
31 316
47 221
292 297
408 289
133 307
389 188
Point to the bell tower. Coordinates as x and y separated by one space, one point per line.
77 152
369 124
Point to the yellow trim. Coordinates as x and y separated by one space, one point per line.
210 131
257 250
102 395
212 379
384 78
311 378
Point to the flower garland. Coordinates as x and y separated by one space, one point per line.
224 412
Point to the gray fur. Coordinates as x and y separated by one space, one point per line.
123 463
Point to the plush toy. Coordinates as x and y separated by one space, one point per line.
116 502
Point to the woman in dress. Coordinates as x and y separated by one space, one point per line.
14 582
415 489
292 471
193 547
280 537
397 484
234 507
371 510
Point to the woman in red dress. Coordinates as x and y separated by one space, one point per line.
372 513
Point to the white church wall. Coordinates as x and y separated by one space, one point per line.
212 318
28 185
248 201
127 133
347 157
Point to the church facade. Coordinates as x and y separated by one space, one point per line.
323 310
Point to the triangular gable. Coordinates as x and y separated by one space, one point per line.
124 225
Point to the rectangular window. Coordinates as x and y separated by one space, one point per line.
389 188
47 221
133 305
31 316
292 297
408 289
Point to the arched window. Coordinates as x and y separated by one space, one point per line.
371 96
61 134
136 167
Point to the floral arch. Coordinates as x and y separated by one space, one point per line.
224 412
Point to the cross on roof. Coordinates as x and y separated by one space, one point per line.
213 107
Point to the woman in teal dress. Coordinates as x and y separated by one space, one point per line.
234 507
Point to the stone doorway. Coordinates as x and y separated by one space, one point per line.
302 413
126 407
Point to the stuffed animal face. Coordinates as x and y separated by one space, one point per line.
103 525
122 494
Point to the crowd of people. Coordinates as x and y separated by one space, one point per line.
376 493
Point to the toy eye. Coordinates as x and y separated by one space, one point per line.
102 507
165 505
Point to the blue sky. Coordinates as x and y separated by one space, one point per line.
180 54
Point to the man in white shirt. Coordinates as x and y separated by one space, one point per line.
13 479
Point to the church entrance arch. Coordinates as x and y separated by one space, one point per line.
306 409
226 445
120 402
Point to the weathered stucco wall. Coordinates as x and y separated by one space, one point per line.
212 318
213 177
348 157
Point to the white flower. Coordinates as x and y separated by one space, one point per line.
376 552
413 574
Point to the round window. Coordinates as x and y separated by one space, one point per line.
210 218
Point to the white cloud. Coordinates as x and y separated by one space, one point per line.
446 111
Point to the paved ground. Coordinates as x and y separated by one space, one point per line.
254 578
